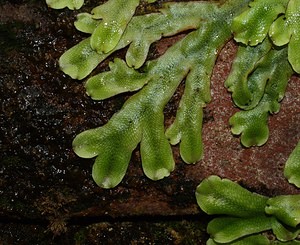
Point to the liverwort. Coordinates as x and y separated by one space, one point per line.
292 167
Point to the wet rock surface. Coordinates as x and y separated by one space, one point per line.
47 195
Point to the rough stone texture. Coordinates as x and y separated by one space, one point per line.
45 189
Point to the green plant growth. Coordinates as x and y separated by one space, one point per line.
266 59
243 215
291 170
263 65
71 4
